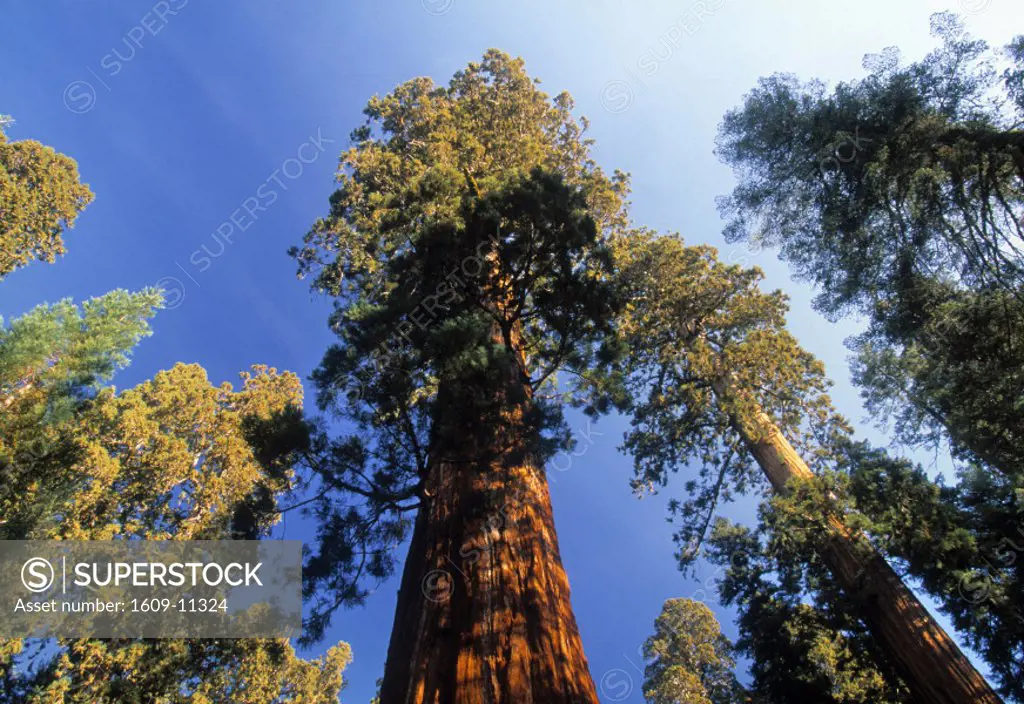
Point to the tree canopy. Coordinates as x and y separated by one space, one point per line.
174 458
901 196
689 661
40 197
53 362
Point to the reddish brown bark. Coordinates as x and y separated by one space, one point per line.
929 661
484 614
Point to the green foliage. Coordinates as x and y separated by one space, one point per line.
927 182
246 671
800 651
40 197
706 350
965 544
66 352
159 461
689 661
950 363
467 249
175 452
901 195
174 458
53 360
692 322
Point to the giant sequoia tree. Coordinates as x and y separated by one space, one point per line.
466 251
40 197
712 376
901 196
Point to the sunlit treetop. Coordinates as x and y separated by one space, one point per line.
172 459
424 148
692 323
688 658
40 197
185 671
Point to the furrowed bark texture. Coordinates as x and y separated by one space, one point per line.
930 662
483 611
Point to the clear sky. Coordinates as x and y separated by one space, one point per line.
179 111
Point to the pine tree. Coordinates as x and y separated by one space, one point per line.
40 197
466 249
901 196
689 661
712 375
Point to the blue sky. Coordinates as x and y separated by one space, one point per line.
185 114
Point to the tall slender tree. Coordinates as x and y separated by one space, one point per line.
901 196
466 248
714 376
40 197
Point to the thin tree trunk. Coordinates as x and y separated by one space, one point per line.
930 662
483 614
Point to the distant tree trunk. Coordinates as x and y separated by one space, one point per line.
483 614
930 662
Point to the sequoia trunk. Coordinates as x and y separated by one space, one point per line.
930 662
483 614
